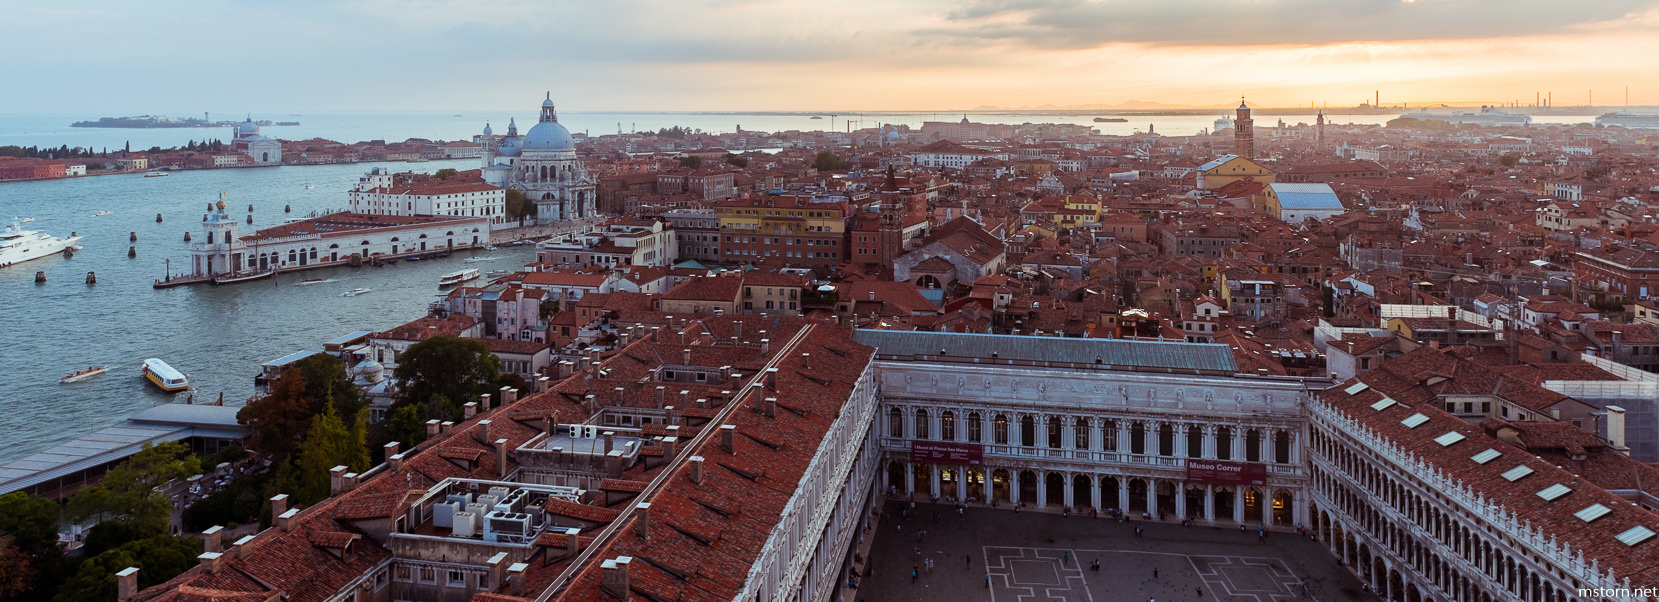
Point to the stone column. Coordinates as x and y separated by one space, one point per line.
933 479
1153 440
1013 486
1152 497
1209 502
1094 486
1042 489
1123 436
1040 426
1068 433
1180 499
1238 445
1123 494
1070 492
1267 505
1296 447
1266 444
936 425
1238 504
909 478
1180 435
1209 442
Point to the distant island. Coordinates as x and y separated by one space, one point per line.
162 121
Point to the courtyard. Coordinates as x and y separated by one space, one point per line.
999 555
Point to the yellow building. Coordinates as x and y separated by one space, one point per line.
1227 169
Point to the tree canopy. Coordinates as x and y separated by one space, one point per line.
444 372
128 494
519 206
158 558
691 162
827 161
445 173
279 420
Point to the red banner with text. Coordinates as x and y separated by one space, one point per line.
1226 473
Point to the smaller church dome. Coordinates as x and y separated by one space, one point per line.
487 130
249 128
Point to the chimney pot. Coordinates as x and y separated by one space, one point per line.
515 578
279 504
661 390
287 519
484 402
498 568
336 480
444 426
770 407
469 410
506 395
388 450
432 428
572 540
685 356
484 431
610 440
542 384
1615 428
772 379
765 346
615 578
501 459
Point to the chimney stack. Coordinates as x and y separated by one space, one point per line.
515 578
244 546
572 540
642 523
336 480
210 538
696 469
661 390
469 410
726 432
443 427
501 459
765 347
498 568
769 407
126 584
685 356
285 521
1615 428
566 368
483 402
210 561
610 440
619 395
772 379
543 383
279 504
431 428
388 450
484 431
615 579
806 361
507 395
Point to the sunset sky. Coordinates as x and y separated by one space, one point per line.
134 57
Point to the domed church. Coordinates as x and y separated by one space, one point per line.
543 164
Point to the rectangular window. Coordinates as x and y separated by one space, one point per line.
457 579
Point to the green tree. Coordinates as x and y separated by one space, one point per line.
519 206
446 366
1509 159
329 443
407 425
827 161
128 493
31 563
30 521
445 173
692 162
278 420
158 559
17 571
737 160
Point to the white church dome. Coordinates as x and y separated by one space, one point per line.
548 136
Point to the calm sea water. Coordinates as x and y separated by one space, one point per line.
218 336
54 130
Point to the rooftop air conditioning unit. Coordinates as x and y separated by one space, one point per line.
443 512
466 525
507 527
477 508
488 501
500 492
459 498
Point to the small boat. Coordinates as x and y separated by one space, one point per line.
164 376
457 277
478 259
156 174
816 117
412 258
235 278
100 214
496 273
1110 120
310 281
355 292
489 247
25 220
83 374
308 187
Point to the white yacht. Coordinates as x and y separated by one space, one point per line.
18 245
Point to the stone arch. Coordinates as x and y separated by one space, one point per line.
1028 486
1054 488
1000 489
1082 491
895 477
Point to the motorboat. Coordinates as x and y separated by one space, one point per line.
489 247
164 376
478 259
156 174
457 277
100 214
310 281
245 277
308 187
355 292
18 245
83 374
26 220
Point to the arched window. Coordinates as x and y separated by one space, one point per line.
947 427
1001 428
974 428
895 423
1109 435
1054 435
1028 431
922 424
1080 430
